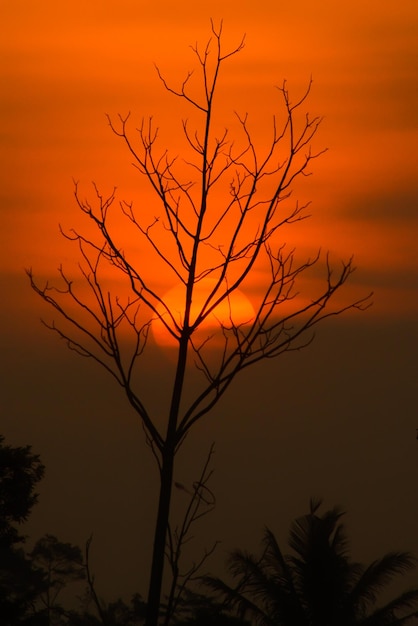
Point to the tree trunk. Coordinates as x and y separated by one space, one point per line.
160 536
166 481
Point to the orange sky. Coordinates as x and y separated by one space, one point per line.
65 66
347 408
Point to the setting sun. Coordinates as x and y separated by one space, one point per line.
237 311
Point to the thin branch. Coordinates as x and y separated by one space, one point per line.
201 503
90 583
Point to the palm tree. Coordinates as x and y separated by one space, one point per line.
318 584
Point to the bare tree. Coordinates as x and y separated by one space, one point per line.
219 215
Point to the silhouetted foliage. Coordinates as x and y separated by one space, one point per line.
60 563
20 585
201 610
120 614
20 471
117 613
317 584
20 582
29 582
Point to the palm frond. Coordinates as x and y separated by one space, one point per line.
235 600
307 531
388 614
277 562
377 576
317 583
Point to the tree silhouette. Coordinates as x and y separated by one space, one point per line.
317 584
204 610
20 582
20 471
220 214
60 563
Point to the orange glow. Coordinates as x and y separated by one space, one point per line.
66 66
337 419
236 310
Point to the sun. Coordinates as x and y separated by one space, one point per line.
237 310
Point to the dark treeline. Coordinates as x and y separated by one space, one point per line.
32 581
313 583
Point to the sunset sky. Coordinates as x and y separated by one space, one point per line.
337 420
